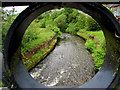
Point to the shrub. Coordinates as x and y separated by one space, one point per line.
96 47
57 31
72 28
81 21
91 24
42 23
61 22
90 45
99 57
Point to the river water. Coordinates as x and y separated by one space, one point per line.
69 64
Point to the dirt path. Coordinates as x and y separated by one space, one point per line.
69 64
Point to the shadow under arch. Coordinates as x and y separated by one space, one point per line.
107 77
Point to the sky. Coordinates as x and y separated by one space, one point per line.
19 9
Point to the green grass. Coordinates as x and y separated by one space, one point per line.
39 37
97 47
33 38
38 56
98 34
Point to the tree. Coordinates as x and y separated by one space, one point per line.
8 17
72 28
81 21
61 22
91 24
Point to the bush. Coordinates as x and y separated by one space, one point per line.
96 47
58 32
92 25
81 21
99 57
61 22
72 28
35 37
42 23
50 24
90 45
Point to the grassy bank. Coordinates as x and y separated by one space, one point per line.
95 43
34 38
39 56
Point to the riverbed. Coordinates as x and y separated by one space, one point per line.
69 64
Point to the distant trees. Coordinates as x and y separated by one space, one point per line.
61 22
67 20
52 22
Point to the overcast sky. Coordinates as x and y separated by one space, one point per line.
19 9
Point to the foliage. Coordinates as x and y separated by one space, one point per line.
97 46
61 22
57 31
92 25
90 45
52 26
81 21
35 37
72 16
54 22
72 28
39 56
7 19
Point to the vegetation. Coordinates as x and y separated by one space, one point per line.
95 43
39 56
1 84
7 18
35 37
74 22
54 23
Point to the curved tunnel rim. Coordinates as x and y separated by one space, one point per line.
11 32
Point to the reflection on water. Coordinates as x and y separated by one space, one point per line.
69 64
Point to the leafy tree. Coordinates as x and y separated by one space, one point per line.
72 28
50 23
61 22
57 31
92 25
81 21
67 11
55 14
52 26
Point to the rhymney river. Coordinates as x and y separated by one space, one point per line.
69 64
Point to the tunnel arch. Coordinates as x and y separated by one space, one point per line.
107 77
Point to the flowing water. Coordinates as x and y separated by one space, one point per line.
69 64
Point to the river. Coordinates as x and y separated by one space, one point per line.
69 64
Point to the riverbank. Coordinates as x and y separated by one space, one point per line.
95 44
36 44
39 55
